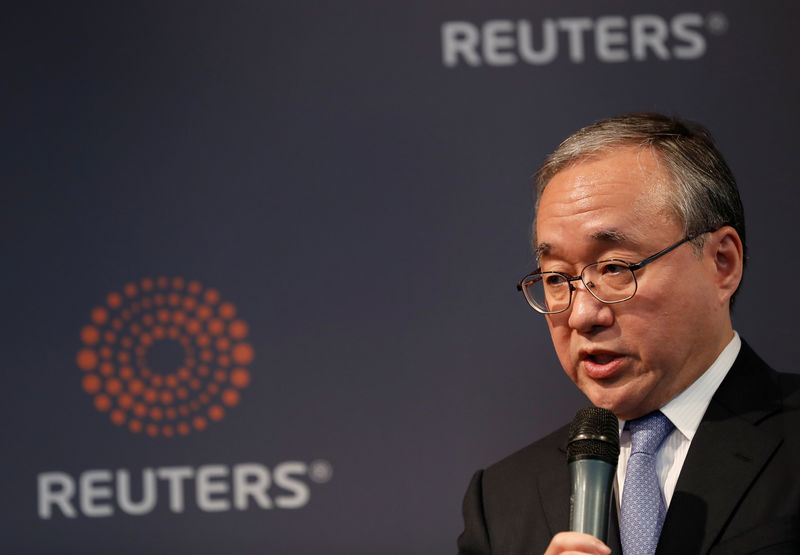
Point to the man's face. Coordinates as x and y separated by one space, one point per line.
631 357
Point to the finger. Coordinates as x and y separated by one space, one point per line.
564 543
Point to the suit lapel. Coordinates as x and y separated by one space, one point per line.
727 454
554 494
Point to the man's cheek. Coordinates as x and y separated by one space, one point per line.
571 366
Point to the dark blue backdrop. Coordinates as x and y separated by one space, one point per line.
365 206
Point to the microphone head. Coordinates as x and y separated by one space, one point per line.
594 434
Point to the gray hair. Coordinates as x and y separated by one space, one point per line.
704 196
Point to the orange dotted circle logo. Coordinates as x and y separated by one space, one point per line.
206 378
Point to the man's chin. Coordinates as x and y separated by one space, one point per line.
619 400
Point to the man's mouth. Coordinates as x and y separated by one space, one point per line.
602 358
601 364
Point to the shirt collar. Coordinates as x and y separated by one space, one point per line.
686 410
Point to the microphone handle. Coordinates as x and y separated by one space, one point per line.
590 497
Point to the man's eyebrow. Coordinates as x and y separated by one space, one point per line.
610 236
602 236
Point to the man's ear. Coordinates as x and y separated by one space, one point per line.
726 259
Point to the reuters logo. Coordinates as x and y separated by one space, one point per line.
165 356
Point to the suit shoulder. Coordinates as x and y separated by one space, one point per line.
542 454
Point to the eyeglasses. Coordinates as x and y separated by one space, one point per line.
609 281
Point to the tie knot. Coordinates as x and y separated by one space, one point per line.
648 432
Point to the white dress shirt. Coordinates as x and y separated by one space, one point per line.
685 411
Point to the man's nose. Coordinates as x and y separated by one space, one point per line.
587 312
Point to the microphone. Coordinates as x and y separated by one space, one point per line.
592 454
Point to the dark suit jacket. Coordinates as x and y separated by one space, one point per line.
738 491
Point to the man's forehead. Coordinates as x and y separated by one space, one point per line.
618 199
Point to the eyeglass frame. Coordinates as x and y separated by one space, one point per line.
632 267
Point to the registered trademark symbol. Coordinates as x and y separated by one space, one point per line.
320 471
717 23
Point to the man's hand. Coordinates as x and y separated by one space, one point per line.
575 543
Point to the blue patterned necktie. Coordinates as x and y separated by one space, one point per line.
643 507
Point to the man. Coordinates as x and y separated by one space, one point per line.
640 237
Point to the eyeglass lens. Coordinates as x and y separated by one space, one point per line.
609 281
